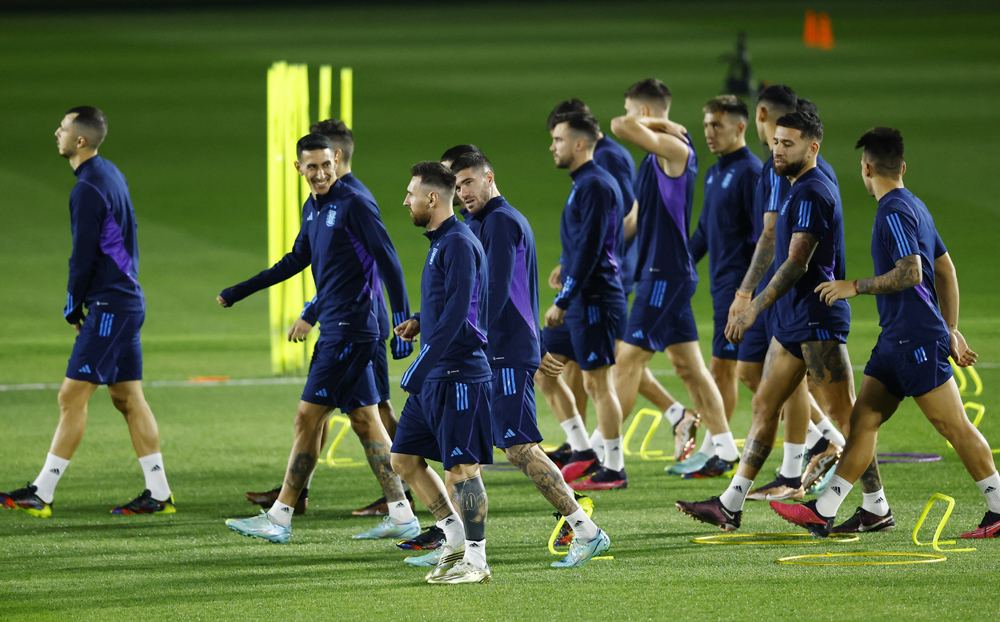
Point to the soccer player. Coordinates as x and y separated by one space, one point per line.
591 302
913 270
808 334
344 240
104 279
514 348
343 147
661 317
447 415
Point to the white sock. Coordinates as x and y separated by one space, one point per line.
836 491
813 435
831 433
614 455
310 480
791 461
156 477
875 502
454 530
49 476
707 447
725 447
736 495
675 413
583 527
576 433
281 513
475 552
990 487
400 511
597 443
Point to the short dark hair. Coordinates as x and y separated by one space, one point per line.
808 124
474 160
651 91
339 134
779 98
884 151
93 123
565 107
436 175
582 124
728 104
452 154
807 105
312 142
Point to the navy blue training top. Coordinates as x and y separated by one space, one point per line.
903 227
454 297
104 266
615 159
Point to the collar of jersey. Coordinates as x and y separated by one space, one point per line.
87 165
336 191
729 158
444 228
491 205
583 168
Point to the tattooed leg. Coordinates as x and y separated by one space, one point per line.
473 507
426 484
547 478
368 426
832 378
309 423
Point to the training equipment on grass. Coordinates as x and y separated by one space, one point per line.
899 458
937 533
963 384
733 538
339 436
922 558
644 452
979 409
589 511
287 122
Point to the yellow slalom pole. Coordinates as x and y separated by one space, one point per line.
276 118
325 92
347 96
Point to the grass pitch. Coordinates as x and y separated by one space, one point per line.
184 93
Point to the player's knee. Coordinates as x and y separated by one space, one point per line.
542 381
764 409
403 465
747 377
122 402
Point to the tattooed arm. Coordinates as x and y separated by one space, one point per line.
905 275
763 257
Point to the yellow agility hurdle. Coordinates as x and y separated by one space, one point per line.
588 509
922 558
733 538
644 452
339 436
937 533
963 383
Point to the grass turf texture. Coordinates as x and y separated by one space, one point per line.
185 96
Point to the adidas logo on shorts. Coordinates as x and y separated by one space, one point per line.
321 393
85 369
638 334
456 452
509 434
592 357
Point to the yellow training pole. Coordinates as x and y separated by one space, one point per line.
276 106
347 96
325 92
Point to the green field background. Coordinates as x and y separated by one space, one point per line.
185 96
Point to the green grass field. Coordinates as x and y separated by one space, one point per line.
185 95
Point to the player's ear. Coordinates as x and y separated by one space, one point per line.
298 168
762 114
903 170
489 177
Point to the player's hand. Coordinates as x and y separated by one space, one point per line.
554 317
299 330
832 291
740 304
221 301
737 326
550 366
77 326
960 352
408 330
665 126
555 277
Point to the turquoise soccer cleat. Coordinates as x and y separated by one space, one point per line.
388 529
428 560
580 552
692 464
260 526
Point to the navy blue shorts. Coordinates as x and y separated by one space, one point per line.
757 339
448 422
341 375
557 341
818 334
380 367
913 372
593 328
721 348
513 407
661 315
108 349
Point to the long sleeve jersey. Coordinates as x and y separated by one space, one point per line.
616 160
343 240
454 297
104 266
512 312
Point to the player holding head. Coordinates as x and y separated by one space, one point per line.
514 347
913 269
447 415
591 301
661 317
344 241
103 277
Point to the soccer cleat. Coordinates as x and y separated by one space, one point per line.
448 557
464 572
988 528
690 465
267 499
390 529
781 488
712 511
565 535
714 467
804 515
432 538
582 551
684 435
146 504
26 499
560 455
603 479
260 526
429 559
820 485
580 464
380 507
863 521
821 458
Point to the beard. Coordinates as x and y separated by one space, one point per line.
790 169
562 163
420 220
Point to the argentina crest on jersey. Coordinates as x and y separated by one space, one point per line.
434 252
572 193
711 178
331 216
727 180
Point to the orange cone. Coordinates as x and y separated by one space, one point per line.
824 32
810 34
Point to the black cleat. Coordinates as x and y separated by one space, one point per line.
431 538
864 521
712 511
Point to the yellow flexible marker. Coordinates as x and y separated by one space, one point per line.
937 534
980 411
339 436
725 538
923 558
644 452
